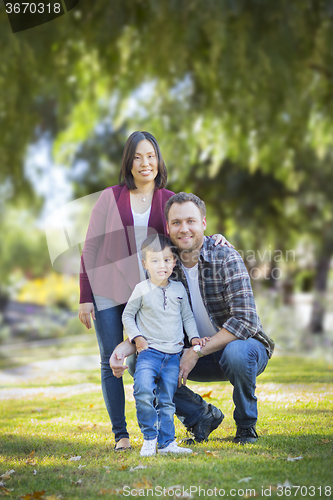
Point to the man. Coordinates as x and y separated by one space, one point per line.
221 297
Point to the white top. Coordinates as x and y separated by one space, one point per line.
159 315
141 232
202 320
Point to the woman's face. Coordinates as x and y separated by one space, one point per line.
145 163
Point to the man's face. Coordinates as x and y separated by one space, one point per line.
186 226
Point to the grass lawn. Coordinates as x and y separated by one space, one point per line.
40 436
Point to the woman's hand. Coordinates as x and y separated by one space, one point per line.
219 238
85 310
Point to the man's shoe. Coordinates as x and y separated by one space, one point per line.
148 448
247 435
174 448
207 424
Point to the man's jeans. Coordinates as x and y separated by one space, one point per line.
155 383
240 362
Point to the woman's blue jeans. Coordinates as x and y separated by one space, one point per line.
155 383
109 331
240 362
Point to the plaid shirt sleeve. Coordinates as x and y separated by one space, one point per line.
238 296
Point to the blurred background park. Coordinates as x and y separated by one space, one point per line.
238 93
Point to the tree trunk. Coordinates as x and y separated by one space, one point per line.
320 287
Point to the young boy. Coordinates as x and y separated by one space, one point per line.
153 319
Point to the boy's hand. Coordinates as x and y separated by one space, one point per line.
200 341
141 344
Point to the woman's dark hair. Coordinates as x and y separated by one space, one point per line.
125 176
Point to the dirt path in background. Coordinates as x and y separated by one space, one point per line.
40 370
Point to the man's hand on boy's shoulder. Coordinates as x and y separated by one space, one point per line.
141 344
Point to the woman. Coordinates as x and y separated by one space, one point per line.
110 265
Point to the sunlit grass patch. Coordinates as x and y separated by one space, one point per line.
40 436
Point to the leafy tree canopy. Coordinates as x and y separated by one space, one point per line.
245 80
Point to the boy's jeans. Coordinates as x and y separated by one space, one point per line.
155 383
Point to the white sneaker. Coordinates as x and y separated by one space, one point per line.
174 448
148 448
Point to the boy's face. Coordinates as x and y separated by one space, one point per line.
159 265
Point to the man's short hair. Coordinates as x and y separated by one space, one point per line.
183 198
156 243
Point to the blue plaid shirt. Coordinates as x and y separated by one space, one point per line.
226 292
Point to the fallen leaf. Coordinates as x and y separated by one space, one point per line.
7 474
212 453
184 494
207 395
123 467
78 483
75 459
172 491
54 497
2 484
31 460
81 466
293 459
36 495
143 484
325 441
5 491
104 491
286 484
139 466
245 480
91 406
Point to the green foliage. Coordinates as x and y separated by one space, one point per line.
256 79
23 246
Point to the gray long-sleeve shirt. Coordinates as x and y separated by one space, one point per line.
159 314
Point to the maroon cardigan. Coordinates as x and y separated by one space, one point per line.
109 263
